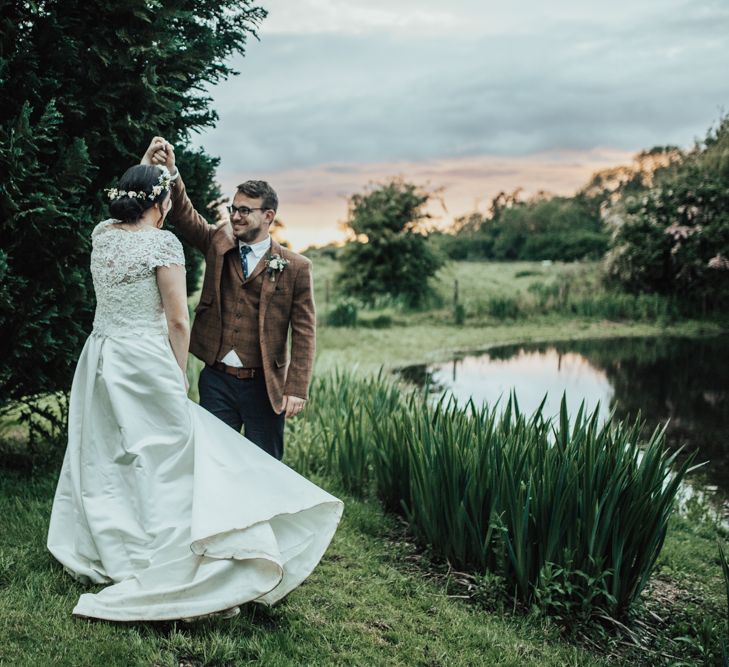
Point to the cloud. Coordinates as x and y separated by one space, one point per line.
339 90
585 79
355 18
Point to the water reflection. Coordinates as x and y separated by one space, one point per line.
683 381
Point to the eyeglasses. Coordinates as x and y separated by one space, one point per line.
242 210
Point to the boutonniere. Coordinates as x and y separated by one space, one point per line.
275 264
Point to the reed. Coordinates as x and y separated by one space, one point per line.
725 572
571 513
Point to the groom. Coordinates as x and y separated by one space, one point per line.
253 292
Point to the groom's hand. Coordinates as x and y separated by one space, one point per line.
160 152
292 405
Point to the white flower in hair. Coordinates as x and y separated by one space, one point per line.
165 178
163 183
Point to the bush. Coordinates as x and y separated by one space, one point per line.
503 307
344 314
566 246
544 227
378 322
672 238
459 314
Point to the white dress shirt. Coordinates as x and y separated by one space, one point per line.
258 250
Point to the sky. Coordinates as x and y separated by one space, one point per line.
468 98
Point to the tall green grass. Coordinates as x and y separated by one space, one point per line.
725 572
571 513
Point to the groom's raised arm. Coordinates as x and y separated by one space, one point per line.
191 225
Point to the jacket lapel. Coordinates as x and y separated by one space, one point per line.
268 285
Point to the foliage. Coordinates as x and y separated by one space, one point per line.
459 314
344 314
543 227
672 237
85 86
389 254
556 509
378 322
503 307
725 573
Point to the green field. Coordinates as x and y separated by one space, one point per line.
432 335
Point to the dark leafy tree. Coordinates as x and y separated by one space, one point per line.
541 227
85 85
673 236
389 254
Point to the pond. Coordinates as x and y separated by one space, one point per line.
679 380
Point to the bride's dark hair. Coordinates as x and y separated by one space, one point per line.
140 178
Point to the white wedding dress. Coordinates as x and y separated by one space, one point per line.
177 512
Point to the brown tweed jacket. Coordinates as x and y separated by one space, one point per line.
286 303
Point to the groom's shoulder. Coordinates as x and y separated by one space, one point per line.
221 233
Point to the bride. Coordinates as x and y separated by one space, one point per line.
179 515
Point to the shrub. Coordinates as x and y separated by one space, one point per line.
459 314
503 307
344 314
566 246
671 238
378 322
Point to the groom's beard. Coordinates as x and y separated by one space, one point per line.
248 235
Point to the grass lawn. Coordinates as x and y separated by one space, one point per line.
369 602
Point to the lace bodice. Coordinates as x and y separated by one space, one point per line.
123 267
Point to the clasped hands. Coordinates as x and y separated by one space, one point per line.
160 153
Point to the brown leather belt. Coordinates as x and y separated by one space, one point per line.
240 373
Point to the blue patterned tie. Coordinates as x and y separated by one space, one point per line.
244 250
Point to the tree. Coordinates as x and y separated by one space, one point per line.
672 237
388 254
85 85
545 226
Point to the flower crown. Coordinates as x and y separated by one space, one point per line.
163 183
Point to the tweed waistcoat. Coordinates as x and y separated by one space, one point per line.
239 304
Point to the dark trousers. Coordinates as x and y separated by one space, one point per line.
243 403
